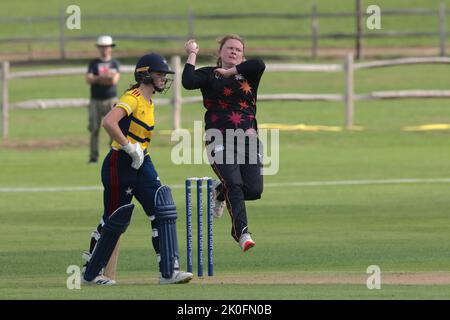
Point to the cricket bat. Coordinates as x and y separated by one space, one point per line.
111 267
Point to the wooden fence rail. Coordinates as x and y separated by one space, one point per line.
440 13
176 101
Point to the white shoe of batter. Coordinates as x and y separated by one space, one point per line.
177 277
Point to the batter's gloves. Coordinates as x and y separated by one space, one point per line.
134 150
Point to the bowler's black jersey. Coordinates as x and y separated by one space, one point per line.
230 102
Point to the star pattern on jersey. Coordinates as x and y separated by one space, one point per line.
214 118
235 118
129 191
208 103
223 105
234 105
245 87
243 104
227 91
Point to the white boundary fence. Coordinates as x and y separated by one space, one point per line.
176 101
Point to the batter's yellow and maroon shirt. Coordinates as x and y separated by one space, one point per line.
138 125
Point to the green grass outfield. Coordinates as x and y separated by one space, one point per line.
313 242
300 231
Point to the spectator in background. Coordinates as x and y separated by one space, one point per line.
103 76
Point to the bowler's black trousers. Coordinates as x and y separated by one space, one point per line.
239 181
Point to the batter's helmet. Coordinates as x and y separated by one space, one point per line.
152 63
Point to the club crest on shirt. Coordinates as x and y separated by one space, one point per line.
103 68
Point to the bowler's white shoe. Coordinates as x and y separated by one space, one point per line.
177 277
100 280
218 206
246 242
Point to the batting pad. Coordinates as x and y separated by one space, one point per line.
117 224
166 214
